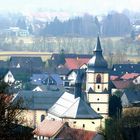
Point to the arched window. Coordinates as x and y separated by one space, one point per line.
98 78
42 117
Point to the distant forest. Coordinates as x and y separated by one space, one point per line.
114 24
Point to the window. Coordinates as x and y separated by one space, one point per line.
98 109
74 122
93 122
66 84
42 117
97 99
53 119
136 81
98 87
98 78
83 125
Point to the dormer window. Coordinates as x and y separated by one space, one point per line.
98 78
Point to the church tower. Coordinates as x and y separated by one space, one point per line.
97 81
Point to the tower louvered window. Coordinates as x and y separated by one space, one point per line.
98 78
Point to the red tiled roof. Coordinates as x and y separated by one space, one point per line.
77 134
73 63
112 77
128 76
48 128
121 84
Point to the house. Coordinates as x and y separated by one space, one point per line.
15 31
62 71
3 64
60 130
32 64
46 79
129 76
34 104
120 85
76 63
49 129
130 98
55 58
124 81
79 134
14 75
9 78
120 69
136 80
71 77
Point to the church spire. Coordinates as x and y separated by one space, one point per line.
97 62
98 46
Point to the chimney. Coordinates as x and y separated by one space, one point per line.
78 84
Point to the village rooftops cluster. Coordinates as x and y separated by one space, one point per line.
82 103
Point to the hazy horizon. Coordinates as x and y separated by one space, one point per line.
95 7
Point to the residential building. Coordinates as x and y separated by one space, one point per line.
35 104
32 64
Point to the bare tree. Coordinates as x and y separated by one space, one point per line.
10 117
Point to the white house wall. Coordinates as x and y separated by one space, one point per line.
72 78
137 80
9 78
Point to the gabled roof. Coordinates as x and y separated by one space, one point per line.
40 87
39 79
133 96
129 76
49 128
76 70
3 72
113 77
57 78
119 69
75 63
55 58
79 134
67 106
20 74
59 130
35 100
62 70
120 84
30 63
73 70
3 64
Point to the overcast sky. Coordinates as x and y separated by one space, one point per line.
85 6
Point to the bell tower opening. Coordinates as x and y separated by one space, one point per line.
98 79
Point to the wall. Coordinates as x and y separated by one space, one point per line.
32 117
97 87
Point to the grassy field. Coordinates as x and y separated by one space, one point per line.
44 47
7 54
